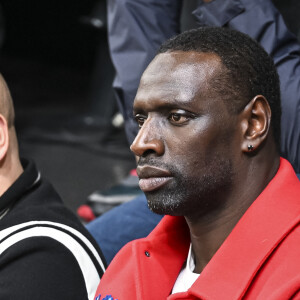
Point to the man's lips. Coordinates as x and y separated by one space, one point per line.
152 178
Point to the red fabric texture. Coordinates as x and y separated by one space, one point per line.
260 259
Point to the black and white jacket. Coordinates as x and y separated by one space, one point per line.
45 252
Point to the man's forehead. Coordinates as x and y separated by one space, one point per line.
178 74
188 63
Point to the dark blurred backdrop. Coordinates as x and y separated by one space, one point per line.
54 55
58 68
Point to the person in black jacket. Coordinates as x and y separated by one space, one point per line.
45 252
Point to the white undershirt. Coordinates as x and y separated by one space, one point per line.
186 277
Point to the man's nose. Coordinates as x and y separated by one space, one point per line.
148 139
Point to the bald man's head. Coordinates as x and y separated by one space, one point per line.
6 103
10 164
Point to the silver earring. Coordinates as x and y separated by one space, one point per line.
250 148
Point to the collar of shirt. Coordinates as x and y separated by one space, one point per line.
186 277
29 178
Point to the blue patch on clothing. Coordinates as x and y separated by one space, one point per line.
107 297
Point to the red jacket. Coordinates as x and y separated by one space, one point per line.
260 259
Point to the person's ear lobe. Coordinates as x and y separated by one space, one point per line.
4 137
256 123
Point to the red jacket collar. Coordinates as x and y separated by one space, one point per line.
264 225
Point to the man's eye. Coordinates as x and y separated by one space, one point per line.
140 119
177 118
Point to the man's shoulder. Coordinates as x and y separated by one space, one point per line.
40 203
286 254
39 266
40 228
41 211
279 277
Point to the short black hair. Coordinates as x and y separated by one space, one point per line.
249 70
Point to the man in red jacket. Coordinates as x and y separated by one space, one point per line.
208 108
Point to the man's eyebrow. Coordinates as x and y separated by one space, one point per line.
162 107
174 104
137 111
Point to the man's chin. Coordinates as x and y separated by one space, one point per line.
156 211
162 208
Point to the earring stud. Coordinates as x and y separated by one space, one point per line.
250 148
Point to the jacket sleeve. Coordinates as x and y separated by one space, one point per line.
262 21
40 268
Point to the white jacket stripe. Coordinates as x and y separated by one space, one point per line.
10 230
90 273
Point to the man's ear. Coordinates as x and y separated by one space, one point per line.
255 123
4 137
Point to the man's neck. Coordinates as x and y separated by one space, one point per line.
10 170
209 232
207 237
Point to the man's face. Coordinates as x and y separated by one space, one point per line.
187 139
